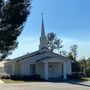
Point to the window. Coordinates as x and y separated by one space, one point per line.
32 69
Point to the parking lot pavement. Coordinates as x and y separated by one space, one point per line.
44 86
86 83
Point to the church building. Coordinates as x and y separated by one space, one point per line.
43 62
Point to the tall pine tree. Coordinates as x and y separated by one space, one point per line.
13 15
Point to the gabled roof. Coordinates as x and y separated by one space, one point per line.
29 55
42 55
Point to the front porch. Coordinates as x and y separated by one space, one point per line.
55 70
49 70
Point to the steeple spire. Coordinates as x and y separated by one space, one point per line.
42 27
43 40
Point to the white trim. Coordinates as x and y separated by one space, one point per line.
46 70
65 70
13 68
55 59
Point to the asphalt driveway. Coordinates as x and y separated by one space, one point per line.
47 86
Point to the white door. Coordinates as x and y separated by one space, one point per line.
55 70
50 71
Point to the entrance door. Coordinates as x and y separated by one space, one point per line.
54 70
50 71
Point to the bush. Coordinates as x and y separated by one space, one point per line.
75 67
15 77
35 77
88 72
6 76
24 77
74 75
27 77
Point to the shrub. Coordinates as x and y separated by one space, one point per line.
35 77
15 77
74 75
6 76
88 72
26 77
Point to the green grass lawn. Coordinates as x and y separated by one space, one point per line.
12 81
22 81
85 79
18 81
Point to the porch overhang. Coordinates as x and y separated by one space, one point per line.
52 59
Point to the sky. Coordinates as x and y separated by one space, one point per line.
69 19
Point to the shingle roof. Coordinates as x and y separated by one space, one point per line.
36 53
39 53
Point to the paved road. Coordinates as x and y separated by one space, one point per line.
46 86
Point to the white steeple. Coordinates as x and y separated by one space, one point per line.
43 40
42 28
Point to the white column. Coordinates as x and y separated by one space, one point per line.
65 70
13 68
46 70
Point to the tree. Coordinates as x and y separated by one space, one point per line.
88 62
73 55
73 49
85 66
70 56
12 19
54 43
63 53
